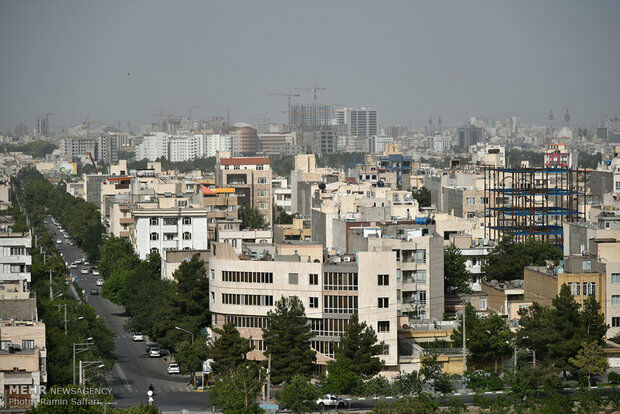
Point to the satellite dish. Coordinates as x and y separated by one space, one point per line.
322 186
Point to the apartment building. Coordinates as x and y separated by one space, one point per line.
229 231
251 179
419 264
15 262
243 291
23 357
73 147
557 155
299 230
160 229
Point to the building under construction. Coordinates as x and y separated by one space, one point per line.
532 202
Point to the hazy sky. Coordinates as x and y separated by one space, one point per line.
409 59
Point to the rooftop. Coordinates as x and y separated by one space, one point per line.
245 161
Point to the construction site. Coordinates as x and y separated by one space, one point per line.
533 202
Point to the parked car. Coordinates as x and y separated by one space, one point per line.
71 243
84 271
86 263
154 352
330 400
73 266
174 368
150 345
100 282
95 272
94 291
59 241
138 337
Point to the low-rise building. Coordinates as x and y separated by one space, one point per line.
15 261
229 231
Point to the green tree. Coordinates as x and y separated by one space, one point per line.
251 217
508 258
285 218
190 356
299 395
593 327
408 405
116 253
229 350
423 196
341 380
408 383
192 301
358 349
536 331
590 360
565 322
287 338
431 368
236 391
456 275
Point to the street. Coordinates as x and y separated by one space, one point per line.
134 370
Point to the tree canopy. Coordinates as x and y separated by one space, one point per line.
456 275
251 217
287 338
229 350
423 196
358 349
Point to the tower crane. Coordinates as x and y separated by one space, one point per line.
88 124
289 95
189 107
314 90
90 154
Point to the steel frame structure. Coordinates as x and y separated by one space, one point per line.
532 202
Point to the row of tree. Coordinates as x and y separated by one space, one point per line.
79 218
80 320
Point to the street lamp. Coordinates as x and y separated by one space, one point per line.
84 366
513 344
80 347
56 296
185 330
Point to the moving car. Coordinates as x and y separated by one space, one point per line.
155 352
95 272
330 400
150 345
174 368
138 337
73 265
71 243
86 263
94 291
84 271
100 282
58 241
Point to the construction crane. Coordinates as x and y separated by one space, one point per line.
289 95
314 90
90 154
189 107
88 124
161 113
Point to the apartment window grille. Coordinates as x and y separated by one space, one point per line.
187 220
187 235
589 288
154 236
340 304
383 326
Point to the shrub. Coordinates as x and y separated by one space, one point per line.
613 377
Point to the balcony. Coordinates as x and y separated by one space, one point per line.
126 220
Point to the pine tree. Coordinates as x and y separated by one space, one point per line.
193 292
358 349
229 350
593 327
456 274
590 360
287 338
566 322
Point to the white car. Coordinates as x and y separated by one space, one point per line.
84 271
86 263
330 400
73 266
137 337
58 241
95 272
100 283
155 352
71 243
174 368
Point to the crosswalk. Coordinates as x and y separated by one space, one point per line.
160 389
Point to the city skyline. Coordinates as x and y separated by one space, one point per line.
122 61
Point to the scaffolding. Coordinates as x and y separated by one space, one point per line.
532 202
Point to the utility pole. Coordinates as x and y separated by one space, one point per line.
81 375
268 393
65 305
464 340
51 291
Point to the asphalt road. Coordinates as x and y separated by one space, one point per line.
134 370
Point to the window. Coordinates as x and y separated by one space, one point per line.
247 277
385 350
589 288
261 205
615 278
482 304
4 345
615 300
398 275
339 281
232 208
262 193
182 203
340 304
259 167
293 278
187 220
154 236
617 185
397 254
314 302
262 180
419 256
233 242
237 167
383 326
154 221
383 280
383 302
154 250
615 322
470 201
187 235
170 221
169 236
28 344
398 295
586 265
471 215
314 279
212 274
575 288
